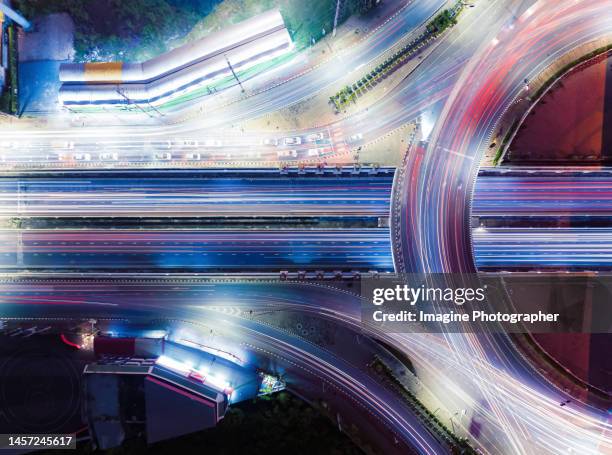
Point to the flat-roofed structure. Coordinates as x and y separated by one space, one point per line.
127 397
193 66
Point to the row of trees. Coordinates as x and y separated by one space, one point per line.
350 93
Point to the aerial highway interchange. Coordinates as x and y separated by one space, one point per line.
199 218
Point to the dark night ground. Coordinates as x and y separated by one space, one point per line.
137 30
40 392
572 122
282 424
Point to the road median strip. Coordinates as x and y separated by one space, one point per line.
440 23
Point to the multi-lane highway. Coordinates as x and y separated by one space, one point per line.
264 193
534 194
259 194
267 193
207 140
242 197
196 251
116 148
540 249
542 219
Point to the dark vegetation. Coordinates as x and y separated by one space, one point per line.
131 30
281 423
137 30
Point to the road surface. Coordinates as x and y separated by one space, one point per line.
196 194
585 194
196 251
540 249
481 392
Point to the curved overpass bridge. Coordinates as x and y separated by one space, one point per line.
438 239
432 230
259 320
